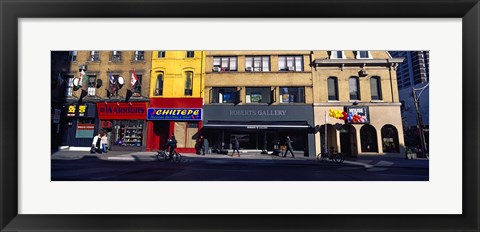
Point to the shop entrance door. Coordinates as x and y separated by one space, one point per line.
348 140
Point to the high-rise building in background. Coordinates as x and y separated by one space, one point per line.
414 68
413 73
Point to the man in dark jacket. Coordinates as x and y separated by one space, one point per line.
288 143
171 145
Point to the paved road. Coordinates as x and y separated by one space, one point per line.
127 167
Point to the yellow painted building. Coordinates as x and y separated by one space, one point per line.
177 74
177 82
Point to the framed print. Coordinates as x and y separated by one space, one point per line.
31 32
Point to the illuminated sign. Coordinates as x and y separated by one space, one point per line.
121 110
73 108
194 114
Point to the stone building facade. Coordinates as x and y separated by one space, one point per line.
362 82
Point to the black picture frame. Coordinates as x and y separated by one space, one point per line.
11 11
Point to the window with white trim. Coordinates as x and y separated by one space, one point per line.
69 90
94 56
363 55
290 63
337 55
116 56
257 63
224 63
139 55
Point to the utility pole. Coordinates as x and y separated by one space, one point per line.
419 120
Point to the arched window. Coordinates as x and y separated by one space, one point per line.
332 88
188 83
368 137
354 88
375 88
159 85
390 139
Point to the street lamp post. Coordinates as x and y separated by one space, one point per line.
419 119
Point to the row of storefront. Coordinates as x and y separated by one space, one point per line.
146 126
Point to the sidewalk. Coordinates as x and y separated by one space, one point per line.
367 161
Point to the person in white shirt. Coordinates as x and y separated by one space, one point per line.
104 140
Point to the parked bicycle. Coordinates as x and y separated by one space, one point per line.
332 156
163 155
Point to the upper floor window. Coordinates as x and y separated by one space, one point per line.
91 85
69 90
354 88
292 94
94 56
139 55
159 85
161 54
332 83
188 83
258 95
375 88
224 95
190 54
363 55
337 55
290 63
116 56
72 56
137 87
224 63
257 63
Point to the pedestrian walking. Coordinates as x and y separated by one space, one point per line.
96 143
236 146
288 144
201 145
104 140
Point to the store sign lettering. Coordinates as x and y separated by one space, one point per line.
258 112
131 110
174 114
73 108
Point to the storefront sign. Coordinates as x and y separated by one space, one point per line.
194 114
117 110
258 112
85 130
73 108
361 111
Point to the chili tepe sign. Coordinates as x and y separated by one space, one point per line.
194 114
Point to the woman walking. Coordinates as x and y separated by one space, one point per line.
236 146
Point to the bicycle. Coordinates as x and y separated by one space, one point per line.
163 155
333 156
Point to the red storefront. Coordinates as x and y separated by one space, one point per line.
181 116
124 123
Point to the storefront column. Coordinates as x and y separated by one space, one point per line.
153 140
359 139
379 139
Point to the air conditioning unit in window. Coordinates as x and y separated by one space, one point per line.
363 73
217 69
249 69
291 68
